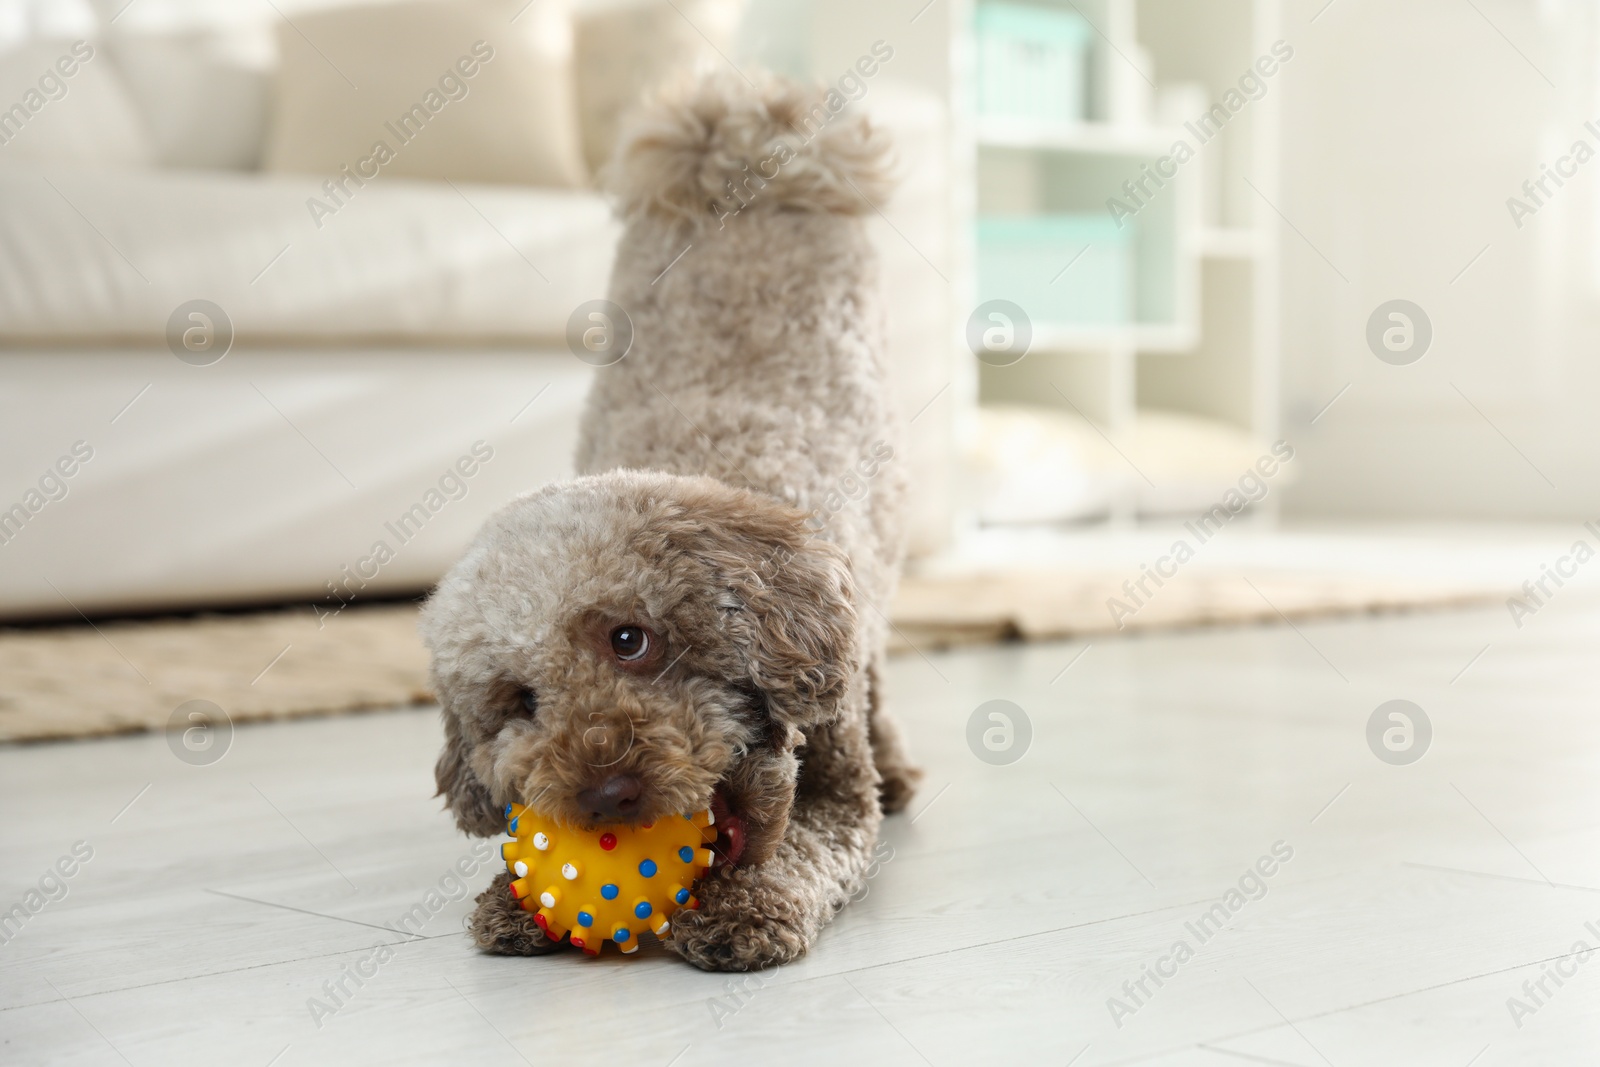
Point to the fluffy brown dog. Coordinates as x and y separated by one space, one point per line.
700 620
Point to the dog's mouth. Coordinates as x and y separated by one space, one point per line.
728 848
729 824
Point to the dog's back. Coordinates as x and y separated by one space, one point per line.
747 274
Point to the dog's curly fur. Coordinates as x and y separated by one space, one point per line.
715 458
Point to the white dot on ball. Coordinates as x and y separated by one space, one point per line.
541 842
568 871
547 899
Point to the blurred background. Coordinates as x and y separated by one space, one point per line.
274 275
1254 322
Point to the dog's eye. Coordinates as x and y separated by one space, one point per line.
528 700
630 642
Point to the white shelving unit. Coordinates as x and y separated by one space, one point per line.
1206 347
1199 355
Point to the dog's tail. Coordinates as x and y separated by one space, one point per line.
710 145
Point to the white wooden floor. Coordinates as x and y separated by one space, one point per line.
1419 898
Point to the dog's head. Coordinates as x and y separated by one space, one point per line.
632 645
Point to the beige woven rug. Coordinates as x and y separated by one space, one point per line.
82 680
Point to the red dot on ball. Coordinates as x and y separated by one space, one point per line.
608 841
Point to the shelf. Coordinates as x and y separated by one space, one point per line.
1042 464
1133 337
1090 138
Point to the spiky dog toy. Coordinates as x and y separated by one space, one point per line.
606 884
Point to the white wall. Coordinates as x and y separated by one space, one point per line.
1406 127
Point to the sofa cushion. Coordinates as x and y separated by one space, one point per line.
469 90
101 254
202 94
61 101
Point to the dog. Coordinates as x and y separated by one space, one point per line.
699 619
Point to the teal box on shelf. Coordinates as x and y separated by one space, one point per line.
1032 61
1025 259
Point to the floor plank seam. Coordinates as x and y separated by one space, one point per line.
1339 1011
808 979
1501 877
1243 1055
222 973
306 911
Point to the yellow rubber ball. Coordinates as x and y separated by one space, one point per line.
608 884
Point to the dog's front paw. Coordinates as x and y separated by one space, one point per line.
734 943
501 927
739 927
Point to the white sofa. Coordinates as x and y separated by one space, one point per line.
370 355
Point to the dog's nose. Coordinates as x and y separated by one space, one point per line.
616 797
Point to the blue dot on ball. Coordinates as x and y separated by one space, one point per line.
686 853
585 919
642 909
648 868
621 935
682 896
608 891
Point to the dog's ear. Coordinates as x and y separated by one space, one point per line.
466 796
802 640
789 600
